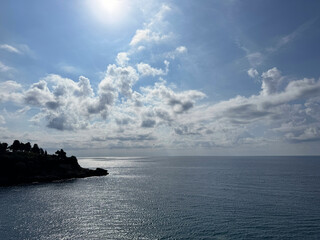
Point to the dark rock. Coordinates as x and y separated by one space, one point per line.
27 167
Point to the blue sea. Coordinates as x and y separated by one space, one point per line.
171 198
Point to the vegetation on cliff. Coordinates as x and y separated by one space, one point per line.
23 163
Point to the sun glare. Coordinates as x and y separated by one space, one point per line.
109 6
109 11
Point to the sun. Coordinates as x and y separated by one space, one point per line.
109 11
110 7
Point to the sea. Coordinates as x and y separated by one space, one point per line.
171 198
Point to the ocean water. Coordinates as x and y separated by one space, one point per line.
171 198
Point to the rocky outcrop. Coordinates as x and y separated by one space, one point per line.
27 167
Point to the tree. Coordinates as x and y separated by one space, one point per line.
61 154
35 149
41 151
3 147
27 147
16 146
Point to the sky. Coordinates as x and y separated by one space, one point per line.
146 77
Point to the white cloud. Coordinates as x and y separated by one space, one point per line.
139 36
10 91
146 70
157 114
9 86
178 51
2 120
161 95
68 105
120 79
313 108
255 59
65 105
9 48
244 110
181 49
275 115
146 35
271 81
151 32
141 48
122 59
68 68
158 18
310 134
21 49
39 94
253 73
148 123
4 68
123 114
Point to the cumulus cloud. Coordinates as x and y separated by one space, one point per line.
122 59
120 113
59 122
148 123
185 130
118 78
163 114
178 102
264 105
10 91
310 134
70 105
313 108
123 121
253 73
65 104
273 109
271 81
38 94
146 70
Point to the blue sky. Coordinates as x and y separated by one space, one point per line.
120 77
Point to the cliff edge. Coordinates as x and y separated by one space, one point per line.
19 167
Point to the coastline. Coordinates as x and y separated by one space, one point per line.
24 168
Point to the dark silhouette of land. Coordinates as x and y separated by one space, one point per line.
21 163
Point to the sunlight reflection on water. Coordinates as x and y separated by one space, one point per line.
171 198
